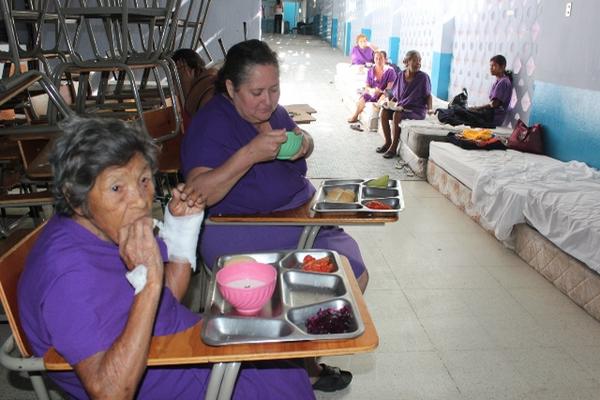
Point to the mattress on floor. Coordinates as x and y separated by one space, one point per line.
417 134
568 274
558 199
464 165
569 216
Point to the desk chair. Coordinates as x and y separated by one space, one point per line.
11 266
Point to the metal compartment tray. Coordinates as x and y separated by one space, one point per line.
392 196
297 296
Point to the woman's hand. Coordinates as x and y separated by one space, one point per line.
265 146
186 200
307 144
137 245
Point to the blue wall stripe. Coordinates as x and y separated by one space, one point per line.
367 33
394 48
570 118
348 36
440 74
324 26
334 32
290 11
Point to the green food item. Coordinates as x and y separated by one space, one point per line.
381 182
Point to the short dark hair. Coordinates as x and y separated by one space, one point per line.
86 147
499 59
191 58
240 58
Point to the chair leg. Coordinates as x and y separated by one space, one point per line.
39 385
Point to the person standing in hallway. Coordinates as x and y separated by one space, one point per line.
278 12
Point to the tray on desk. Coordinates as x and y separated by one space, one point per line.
391 196
297 296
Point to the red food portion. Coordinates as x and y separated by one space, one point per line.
317 265
378 205
330 320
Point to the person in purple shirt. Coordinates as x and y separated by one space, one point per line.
379 78
500 93
229 154
363 52
98 285
411 99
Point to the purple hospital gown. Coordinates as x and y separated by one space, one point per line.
361 56
216 133
73 296
389 75
502 91
412 96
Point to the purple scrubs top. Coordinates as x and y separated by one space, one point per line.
389 75
216 133
412 95
73 296
502 91
361 56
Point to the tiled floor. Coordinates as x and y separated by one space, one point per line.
459 316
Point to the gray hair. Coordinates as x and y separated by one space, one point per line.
410 55
86 147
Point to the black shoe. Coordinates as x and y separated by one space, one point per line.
389 154
382 149
332 379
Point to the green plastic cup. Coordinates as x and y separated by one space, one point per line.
290 146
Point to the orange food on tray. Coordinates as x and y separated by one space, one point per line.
378 205
309 263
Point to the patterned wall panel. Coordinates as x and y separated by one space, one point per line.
509 28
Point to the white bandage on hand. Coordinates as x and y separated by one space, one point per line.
181 236
137 277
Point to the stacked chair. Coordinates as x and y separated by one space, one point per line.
29 157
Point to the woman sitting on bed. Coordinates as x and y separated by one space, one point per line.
411 99
379 78
363 53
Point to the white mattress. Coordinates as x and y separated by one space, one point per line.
558 199
464 165
569 216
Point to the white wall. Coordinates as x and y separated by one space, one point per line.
225 20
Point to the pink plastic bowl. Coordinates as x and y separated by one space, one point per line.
247 286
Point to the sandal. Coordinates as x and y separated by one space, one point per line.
389 154
356 127
332 379
352 120
382 149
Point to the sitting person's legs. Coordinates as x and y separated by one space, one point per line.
393 148
386 117
360 106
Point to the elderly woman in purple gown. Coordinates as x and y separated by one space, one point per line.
229 154
411 99
98 284
379 78
363 53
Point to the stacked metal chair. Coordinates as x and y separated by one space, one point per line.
33 141
118 49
